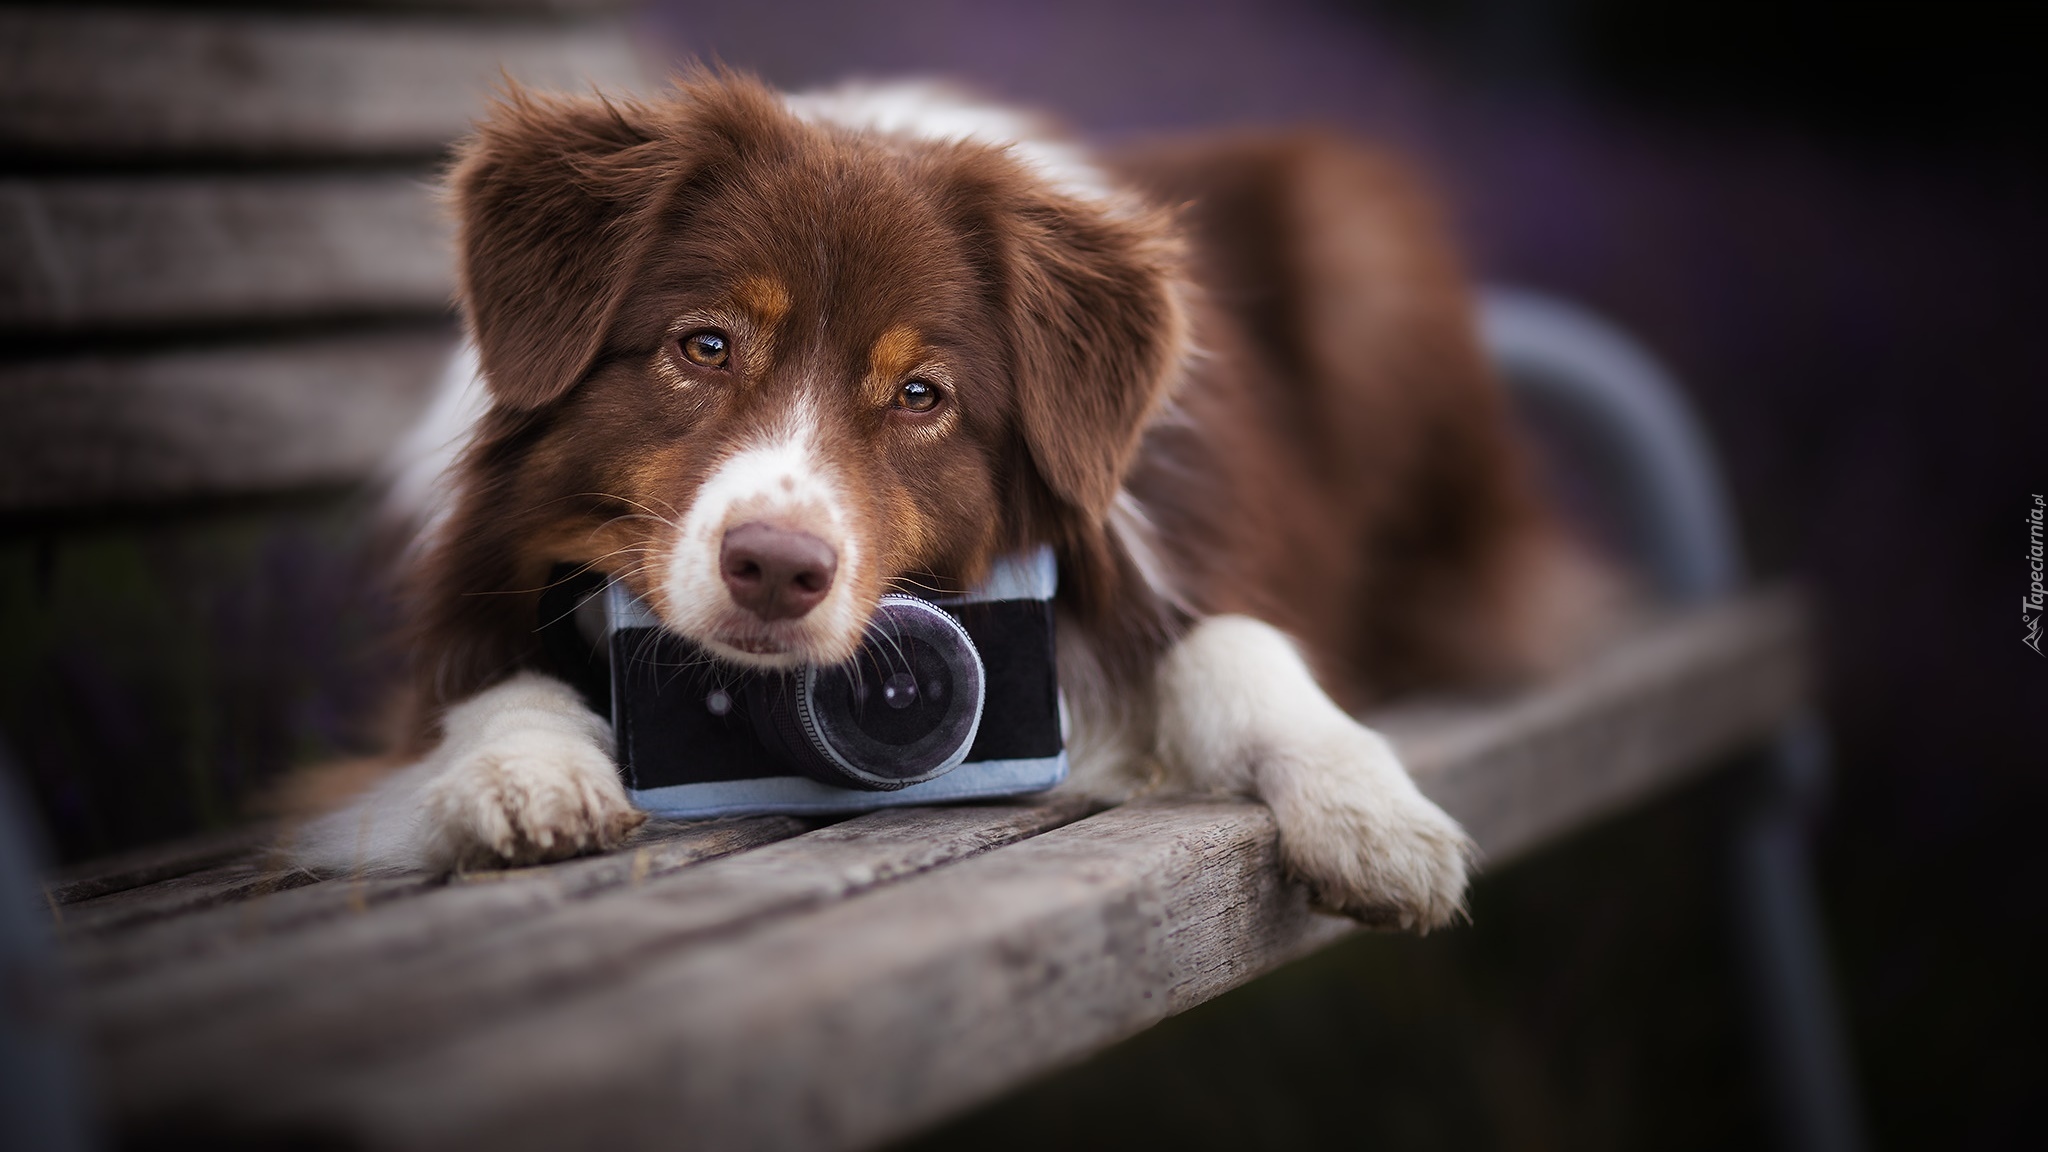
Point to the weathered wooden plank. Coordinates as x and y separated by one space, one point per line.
103 83
151 253
283 1031
497 7
657 848
155 946
224 883
869 1017
1637 718
175 995
149 865
217 421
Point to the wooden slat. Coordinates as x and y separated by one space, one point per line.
241 419
157 862
271 946
76 80
1528 770
491 7
880 1011
870 1017
317 1016
658 847
161 253
154 946
221 884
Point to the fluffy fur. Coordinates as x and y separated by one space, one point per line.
1233 382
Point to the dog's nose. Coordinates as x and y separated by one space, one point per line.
775 573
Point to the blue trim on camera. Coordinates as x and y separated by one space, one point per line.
1032 575
801 796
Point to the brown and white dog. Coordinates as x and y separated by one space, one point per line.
764 358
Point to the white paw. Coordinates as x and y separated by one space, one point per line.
524 798
1354 828
523 774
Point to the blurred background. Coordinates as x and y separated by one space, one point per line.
1827 219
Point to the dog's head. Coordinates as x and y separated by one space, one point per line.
765 359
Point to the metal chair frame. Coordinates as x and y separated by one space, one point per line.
1636 437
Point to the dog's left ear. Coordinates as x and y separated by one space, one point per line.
1098 331
550 196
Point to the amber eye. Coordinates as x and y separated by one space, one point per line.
708 348
917 396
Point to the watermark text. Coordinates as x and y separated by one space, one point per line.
2037 598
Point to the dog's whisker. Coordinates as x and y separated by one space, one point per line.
627 500
899 583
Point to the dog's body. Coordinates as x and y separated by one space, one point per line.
763 359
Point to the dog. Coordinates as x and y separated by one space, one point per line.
764 358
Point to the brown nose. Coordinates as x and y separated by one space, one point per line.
775 573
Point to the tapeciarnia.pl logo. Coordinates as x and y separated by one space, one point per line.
2036 598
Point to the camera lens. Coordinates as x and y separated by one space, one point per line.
904 710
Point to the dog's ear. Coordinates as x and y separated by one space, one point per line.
1098 331
555 201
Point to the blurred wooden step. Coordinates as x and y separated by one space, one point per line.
79 81
169 253
225 421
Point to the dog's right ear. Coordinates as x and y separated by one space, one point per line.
555 200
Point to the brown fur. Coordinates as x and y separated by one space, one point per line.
1275 357
1345 469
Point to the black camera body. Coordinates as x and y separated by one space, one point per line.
948 698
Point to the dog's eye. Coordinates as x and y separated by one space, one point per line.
917 396
708 348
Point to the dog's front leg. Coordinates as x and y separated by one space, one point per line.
524 773
1239 712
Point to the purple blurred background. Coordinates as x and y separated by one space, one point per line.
1829 221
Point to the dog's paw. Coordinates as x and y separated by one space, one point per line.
1358 833
525 798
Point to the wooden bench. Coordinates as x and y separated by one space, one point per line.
222 274
767 982
223 269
